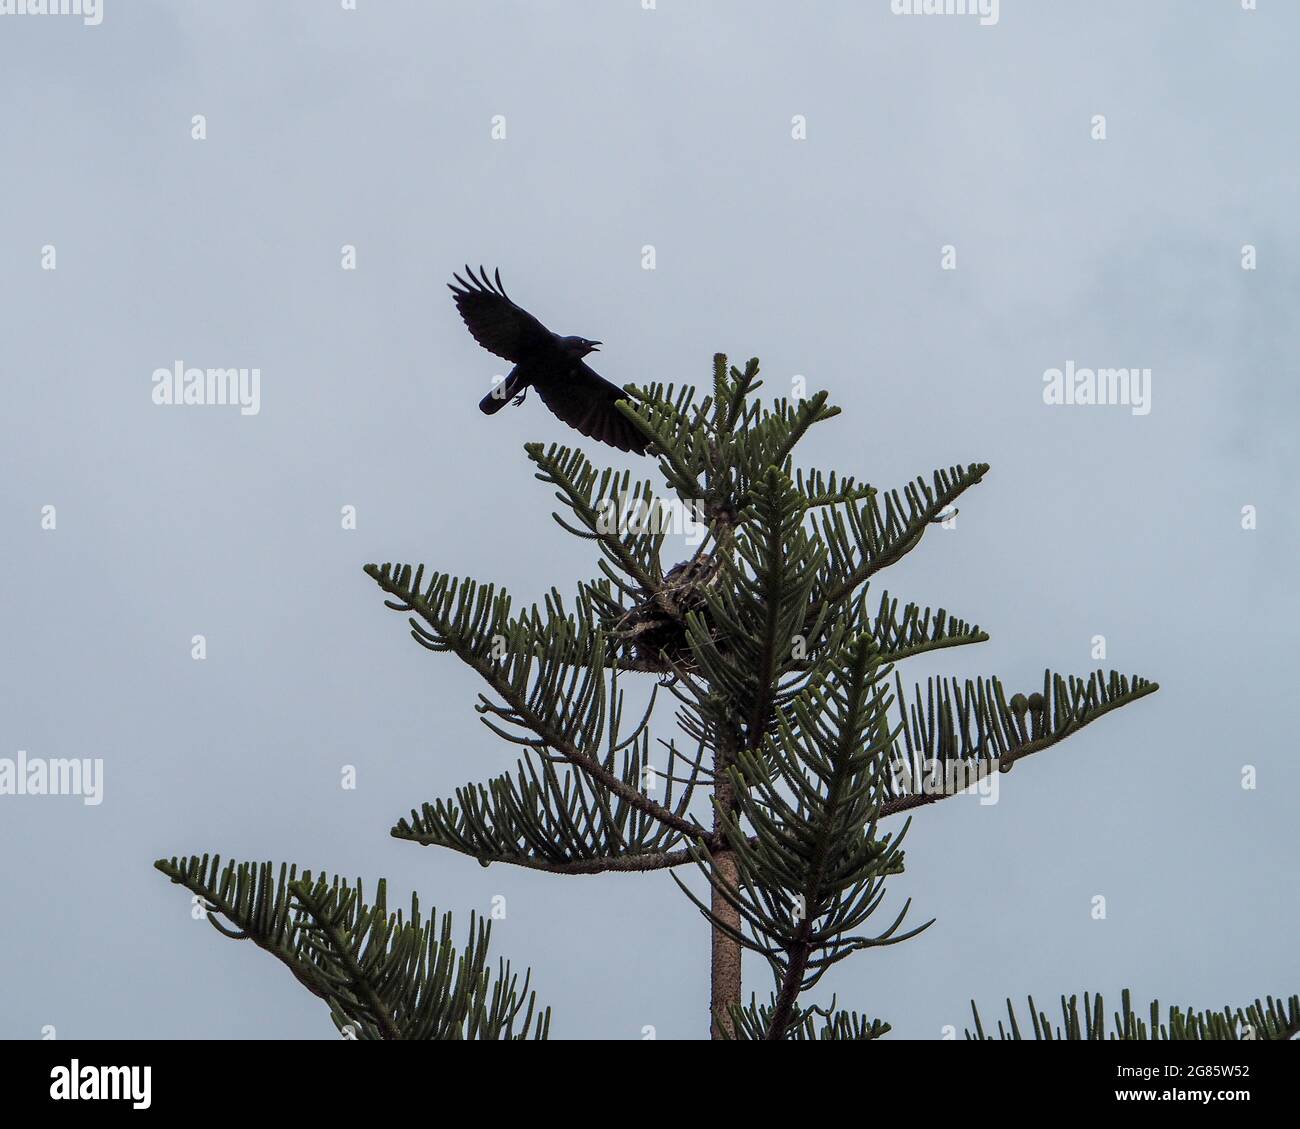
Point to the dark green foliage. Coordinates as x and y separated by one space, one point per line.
1269 1019
754 1023
384 975
779 662
811 865
795 738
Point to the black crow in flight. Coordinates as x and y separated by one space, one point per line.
553 365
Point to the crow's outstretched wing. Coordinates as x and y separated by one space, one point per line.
585 400
496 322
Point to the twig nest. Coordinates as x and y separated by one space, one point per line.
654 630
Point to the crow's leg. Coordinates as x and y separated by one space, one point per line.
521 397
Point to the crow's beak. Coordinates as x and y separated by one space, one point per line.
595 346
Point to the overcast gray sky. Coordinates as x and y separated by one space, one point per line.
628 127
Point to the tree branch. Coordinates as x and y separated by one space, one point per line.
636 862
539 725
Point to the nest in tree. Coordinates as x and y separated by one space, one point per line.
654 630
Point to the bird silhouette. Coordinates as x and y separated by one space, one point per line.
554 365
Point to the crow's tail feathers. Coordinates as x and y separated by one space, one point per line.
501 395
494 401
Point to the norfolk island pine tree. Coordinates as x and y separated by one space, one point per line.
786 783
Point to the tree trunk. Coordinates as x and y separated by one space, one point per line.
725 978
724 968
